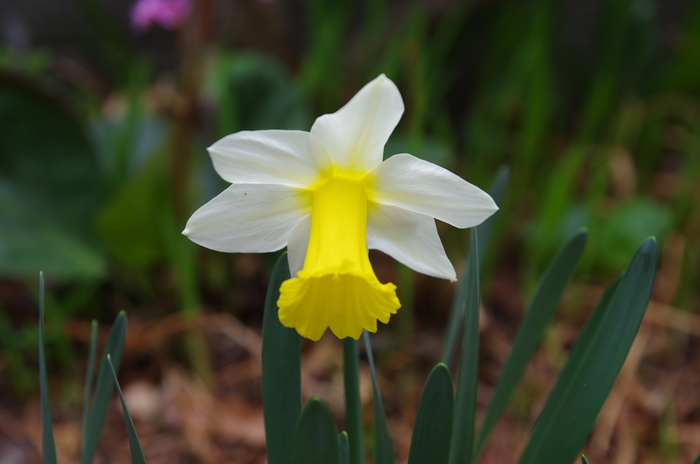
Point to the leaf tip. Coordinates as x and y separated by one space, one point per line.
441 366
650 245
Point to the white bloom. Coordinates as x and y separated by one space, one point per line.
327 196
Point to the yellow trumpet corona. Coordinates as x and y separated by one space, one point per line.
337 287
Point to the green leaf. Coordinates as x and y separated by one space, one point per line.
531 328
383 451
134 443
344 447
315 439
103 388
353 404
31 240
49 186
432 432
281 373
697 460
584 459
465 409
485 230
595 361
497 190
89 378
48 446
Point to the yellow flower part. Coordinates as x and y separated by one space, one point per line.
337 287
328 197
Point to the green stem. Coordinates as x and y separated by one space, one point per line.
89 379
353 404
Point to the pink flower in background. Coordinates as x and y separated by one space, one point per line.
169 14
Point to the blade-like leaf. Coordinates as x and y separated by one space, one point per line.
344 447
531 329
485 229
48 446
89 377
497 190
697 460
316 438
281 373
432 432
353 405
584 459
465 398
595 361
103 388
383 450
134 443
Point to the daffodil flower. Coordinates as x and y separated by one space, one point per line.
327 196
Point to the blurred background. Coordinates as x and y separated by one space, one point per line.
106 110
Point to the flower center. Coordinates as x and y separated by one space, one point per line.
337 287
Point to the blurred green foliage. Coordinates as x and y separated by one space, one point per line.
49 187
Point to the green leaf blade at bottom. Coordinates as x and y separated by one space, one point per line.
103 388
344 447
48 447
432 431
135 449
467 377
593 365
531 329
315 438
281 373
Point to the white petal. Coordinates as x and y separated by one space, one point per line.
423 187
266 157
248 218
355 135
410 238
297 244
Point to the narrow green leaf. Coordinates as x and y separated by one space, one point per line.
353 405
454 325
497 190
465 398
595 361
697 460
89 378
281 373
432 432
315 438
383 451
103 388
134 443
48 447
584 459
485 229
531 329
344 447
